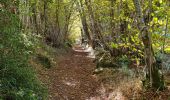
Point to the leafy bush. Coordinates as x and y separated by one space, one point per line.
17 79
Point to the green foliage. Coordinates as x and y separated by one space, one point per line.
114 45
17 79
123 60
167 50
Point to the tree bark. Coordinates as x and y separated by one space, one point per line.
84 22
45 17
68 13
112 24
95 26
57 16
56 34
34 10
154 76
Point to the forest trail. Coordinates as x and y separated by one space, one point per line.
73 78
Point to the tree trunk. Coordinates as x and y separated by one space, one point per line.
35 17
154 76
67 20
56 34
45 17
84 22
112 24
95 26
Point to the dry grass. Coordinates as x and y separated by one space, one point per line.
122 86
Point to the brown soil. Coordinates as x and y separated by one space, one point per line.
72 79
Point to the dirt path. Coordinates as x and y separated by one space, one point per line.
72 79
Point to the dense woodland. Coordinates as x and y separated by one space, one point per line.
128 38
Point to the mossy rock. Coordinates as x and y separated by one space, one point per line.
44 60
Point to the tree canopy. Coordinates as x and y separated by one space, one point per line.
130 34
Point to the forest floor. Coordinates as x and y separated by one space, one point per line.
72 78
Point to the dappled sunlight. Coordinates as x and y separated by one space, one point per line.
84 49
70 83
89 50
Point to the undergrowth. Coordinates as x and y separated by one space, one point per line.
18 80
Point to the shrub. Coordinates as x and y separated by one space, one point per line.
17 79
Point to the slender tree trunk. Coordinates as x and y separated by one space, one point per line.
84 22
154 77
45 17
67 20
56 34
57 16
95 26
112 23
34 10
119 23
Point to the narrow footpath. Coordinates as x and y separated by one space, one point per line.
73 78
